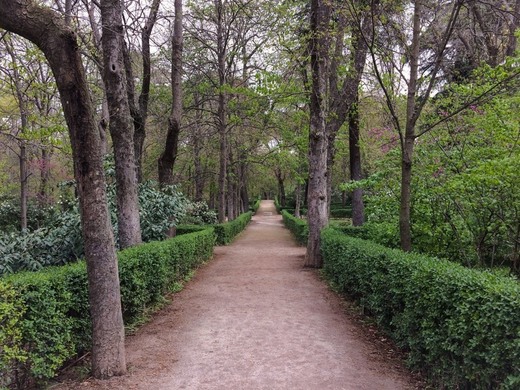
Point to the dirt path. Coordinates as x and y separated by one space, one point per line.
253 318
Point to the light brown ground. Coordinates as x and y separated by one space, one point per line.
253 318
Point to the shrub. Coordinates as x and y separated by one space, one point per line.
49 320
199 213
340 213
297 226
185 229
461 326
256 206
226 232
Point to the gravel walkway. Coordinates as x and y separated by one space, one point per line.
253 318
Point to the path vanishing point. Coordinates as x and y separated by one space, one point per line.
253 318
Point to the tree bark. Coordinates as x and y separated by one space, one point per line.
221 112
140 113
409 136
358 208
48 31
169 155
121 128
317 214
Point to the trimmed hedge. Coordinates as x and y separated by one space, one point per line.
48 311
461 326
226 232
186 229
340 213
297 226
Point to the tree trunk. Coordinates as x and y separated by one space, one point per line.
141 114
197 148
281 188
121 128
358 208
48 31
45 173
169 155
405 229
221 112
230 190
298 197
23 186
317 216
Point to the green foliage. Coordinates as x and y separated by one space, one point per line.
226 232
256 205
11 351
297 226
199 213
60 241
461 326
44 316
185 229
340 212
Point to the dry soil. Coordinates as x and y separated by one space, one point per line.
254 318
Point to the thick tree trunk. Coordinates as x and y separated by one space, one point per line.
169 155
317 215
358 208
48 31
230 188
121 127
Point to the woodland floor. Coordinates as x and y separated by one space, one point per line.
254 318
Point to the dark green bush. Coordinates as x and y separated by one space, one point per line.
54 324
340 213
256 206
185 229
461 326
297 226
226 232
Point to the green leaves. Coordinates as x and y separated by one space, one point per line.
461 326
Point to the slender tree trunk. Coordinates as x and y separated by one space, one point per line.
298 197
141 114
409 138
230 191
197 148
22 157
121 127
317 215
45 173
221 112
169 155
48 31
281 187
358 208
23 185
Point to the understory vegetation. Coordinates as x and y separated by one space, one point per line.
44 316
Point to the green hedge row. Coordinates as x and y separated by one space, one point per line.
226 232
340 213
461 326
297 226
44 316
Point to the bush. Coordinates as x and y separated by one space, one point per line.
256 205
340 213
461 326
48 311
186 229
199 213
297 226
226 232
